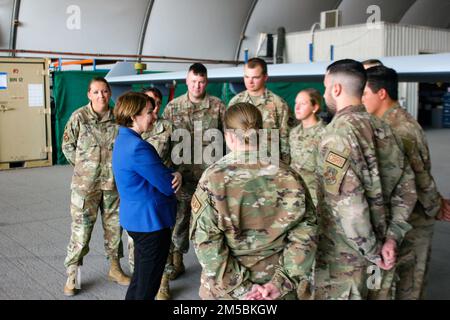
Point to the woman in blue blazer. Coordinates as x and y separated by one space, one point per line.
147 190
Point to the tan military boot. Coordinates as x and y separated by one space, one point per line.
178 266
70 287
117 275
164 290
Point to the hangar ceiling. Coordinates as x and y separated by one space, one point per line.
198 29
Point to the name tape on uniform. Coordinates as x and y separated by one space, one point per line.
336 159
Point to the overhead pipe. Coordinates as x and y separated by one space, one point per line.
311 44
313 29
124 56
14 25
245 56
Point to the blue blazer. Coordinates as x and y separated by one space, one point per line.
147 200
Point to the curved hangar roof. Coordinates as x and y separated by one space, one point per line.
197 29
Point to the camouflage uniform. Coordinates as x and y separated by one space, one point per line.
275 112
368 194
303 144
182 113
251 224
87 145
414 253
158 137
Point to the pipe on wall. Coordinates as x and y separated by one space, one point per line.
123 56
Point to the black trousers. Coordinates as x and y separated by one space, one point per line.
150 254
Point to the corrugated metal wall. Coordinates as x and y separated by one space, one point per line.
356 42
402 40
371 41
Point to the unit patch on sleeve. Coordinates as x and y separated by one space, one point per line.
195 204
330 175
334 171
198 205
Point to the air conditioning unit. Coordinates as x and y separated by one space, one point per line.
330 19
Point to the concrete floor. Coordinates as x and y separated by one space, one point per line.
35 229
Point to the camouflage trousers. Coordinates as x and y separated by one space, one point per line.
365 281
384 283
84 209
180 233
340 274
414 258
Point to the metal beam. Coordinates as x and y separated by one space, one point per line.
419 68
338 3
406 11
244 29
144 27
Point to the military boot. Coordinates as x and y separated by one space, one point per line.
164 290
72 286
116 274
178 266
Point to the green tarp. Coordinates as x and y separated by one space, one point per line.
286 90
70 93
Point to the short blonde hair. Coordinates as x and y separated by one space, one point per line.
129 105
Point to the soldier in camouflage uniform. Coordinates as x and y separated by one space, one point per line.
159 137
305 138
195 112
274 109
368 193
380 99
252 222
87 144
